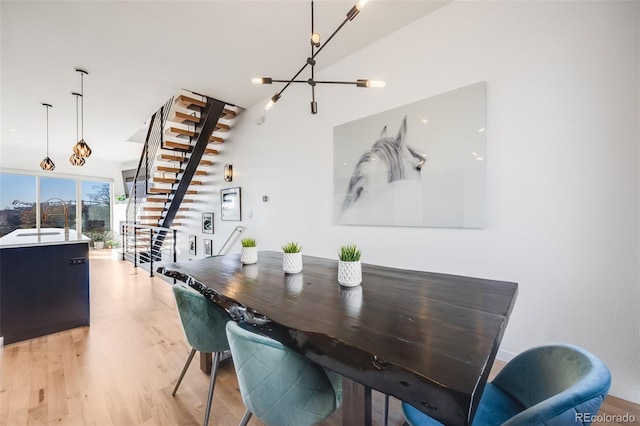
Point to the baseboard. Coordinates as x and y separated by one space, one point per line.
627 391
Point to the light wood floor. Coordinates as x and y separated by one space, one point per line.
122 369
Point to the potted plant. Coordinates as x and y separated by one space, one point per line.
349 267
98 239
249 253
292 258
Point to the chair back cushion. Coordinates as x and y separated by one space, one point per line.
278 385
202 320
557 384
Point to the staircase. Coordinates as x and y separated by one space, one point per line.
183 138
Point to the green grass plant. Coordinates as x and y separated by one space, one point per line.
249 242
349 253
292 247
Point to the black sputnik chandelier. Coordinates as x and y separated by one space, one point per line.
316 48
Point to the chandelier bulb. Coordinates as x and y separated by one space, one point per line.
315 39
262 80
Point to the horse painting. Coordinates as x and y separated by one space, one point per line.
388 160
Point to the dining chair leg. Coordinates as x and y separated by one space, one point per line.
184 370
386 410
212 385
245 418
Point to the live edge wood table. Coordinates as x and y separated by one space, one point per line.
428 339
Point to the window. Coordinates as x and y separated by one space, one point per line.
17 202
58 205
60 200
96 206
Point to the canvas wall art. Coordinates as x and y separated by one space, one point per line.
422 164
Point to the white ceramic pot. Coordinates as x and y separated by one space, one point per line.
98 245
349 273
249 255
292 262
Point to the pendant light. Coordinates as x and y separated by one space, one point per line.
75 159
81 148
47 164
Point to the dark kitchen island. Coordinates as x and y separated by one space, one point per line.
44 282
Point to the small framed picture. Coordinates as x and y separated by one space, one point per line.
207 223
230 203
192 245
208 247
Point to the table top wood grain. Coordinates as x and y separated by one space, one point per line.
426 338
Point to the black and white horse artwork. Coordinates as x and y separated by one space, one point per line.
390 159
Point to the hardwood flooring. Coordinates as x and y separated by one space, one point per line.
121 370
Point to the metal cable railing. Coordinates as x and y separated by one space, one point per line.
152 143
145 246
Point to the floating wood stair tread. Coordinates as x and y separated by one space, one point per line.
187 200
228 114
164 180
176 224
180 131
215 140
161 209
222 127
176 170
177 145
181 117
167 169
156 200
169 157
152 217
169 191
188 101
160 190
204 162
196 182
180 216
210 151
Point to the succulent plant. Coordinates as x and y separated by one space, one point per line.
292 247
349 253
249 242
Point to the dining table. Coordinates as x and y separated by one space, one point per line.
429 339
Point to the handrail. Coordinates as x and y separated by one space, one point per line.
148 252
152 143
239 229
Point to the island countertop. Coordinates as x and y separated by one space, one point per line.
41 237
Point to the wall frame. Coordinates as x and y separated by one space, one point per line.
230 203
207 223
192 245
207 246
421 164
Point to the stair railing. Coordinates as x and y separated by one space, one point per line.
144 172
139 245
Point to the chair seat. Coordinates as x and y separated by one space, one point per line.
495 408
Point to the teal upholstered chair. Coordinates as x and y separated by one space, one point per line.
204 327
554 385
278 385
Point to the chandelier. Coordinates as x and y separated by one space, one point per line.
316 48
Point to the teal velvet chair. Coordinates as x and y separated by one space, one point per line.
554 385
204 327
278 385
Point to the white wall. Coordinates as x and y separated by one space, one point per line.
563 165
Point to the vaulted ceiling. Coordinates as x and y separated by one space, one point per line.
140 53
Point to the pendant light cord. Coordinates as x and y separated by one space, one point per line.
82 110
47 131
